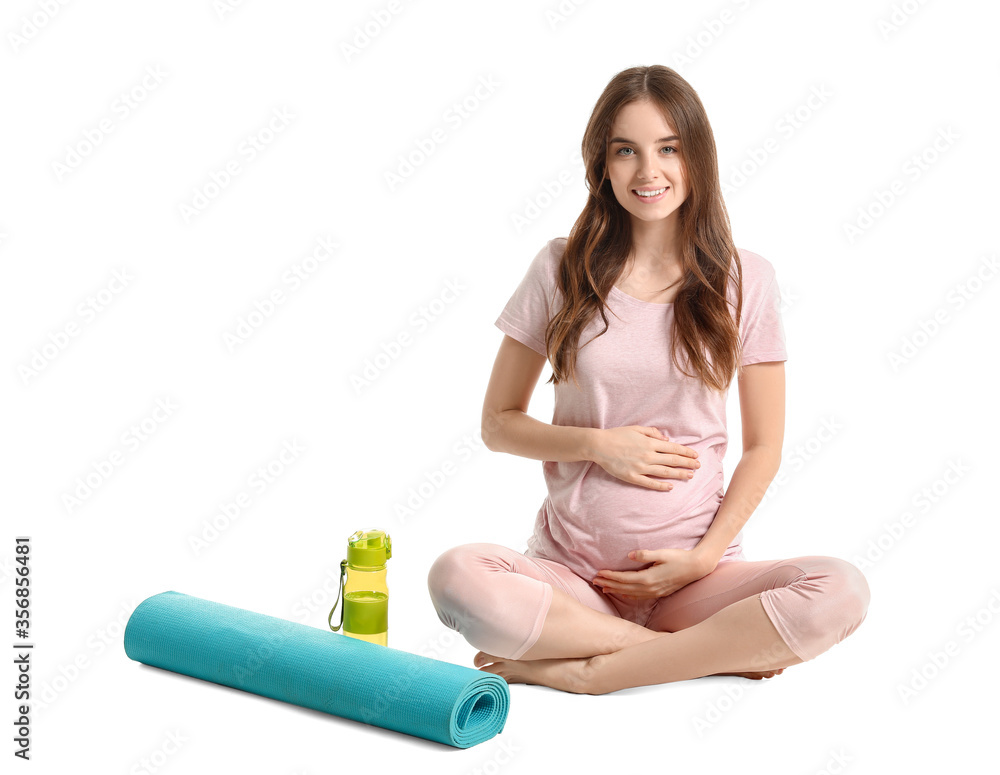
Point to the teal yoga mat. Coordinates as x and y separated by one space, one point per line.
318 669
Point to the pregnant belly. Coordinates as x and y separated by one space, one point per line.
593 520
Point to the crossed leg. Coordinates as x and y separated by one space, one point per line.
742 619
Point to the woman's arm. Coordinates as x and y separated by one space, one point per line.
506 425
762 409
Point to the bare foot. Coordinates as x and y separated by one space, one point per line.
757 676
568 675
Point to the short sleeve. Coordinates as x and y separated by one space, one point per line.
526 315
761 327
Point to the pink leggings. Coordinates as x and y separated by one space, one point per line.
498 598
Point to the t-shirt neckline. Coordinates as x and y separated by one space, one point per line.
616 291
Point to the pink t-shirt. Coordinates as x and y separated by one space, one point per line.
591 520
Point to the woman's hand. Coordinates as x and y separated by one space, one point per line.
641 455
672 569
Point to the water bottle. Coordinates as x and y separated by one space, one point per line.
365 611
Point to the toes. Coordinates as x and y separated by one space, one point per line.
482 658
500 671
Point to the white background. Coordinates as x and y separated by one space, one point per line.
876 489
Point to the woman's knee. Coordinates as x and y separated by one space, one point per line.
475 592
849 590
445 582
446 570
843 604
452 575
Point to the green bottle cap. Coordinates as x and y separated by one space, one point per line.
369 548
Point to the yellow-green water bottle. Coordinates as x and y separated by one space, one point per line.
365 612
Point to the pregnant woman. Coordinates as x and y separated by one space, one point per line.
634 573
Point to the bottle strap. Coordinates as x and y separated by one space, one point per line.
340 589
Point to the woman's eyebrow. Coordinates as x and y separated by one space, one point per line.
632 142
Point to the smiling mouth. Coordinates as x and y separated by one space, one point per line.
652 193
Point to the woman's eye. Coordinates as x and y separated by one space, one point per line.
664 148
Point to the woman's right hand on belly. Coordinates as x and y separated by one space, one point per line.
642 455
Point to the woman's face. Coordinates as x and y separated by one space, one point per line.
644 153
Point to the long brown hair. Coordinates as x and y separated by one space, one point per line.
598 245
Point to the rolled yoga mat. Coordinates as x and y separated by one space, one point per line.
318 669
